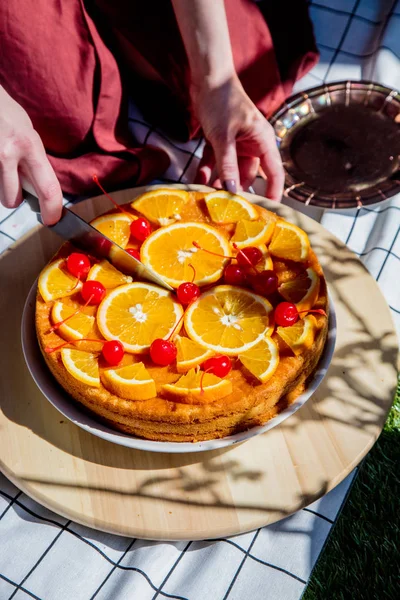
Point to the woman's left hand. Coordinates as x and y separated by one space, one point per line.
239 139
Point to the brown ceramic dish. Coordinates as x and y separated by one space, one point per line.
340 144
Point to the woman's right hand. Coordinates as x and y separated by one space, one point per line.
22 154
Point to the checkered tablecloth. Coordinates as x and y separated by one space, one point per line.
46 557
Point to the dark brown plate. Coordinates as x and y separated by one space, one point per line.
340 144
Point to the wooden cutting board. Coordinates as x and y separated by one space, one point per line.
199 495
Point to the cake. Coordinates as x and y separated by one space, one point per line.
233 345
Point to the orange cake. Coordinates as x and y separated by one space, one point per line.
231 347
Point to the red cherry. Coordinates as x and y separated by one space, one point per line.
133 252
113 352
249 256
187 292
264 283
163 352
218 365
93 292
78 264
103 246
140 229
235 275
286 314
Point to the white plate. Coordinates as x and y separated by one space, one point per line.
70 409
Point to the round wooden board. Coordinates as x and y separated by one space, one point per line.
211 494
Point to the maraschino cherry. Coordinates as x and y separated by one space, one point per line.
103 246
246 259
218 365
264 283
188 291
140 229
112 350
163 352
249 256
78 264
133 252
235 275
286 313
93 292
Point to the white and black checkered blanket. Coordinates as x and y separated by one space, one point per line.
43 556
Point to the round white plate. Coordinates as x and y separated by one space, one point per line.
70 409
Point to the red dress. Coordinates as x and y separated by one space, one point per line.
69 64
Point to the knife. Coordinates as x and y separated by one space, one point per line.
80 233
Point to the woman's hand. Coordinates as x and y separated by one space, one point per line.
22 154
239 138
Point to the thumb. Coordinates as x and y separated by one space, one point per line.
227 165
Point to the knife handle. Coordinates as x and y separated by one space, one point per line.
32 201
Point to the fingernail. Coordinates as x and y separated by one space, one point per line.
230 186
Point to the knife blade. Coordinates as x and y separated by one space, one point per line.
73 228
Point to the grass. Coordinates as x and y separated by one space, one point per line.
361 560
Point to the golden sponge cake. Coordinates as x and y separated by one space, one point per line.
246 398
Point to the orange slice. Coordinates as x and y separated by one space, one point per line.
190 354
224 207
132 382
76 327
262 359
55 282
136 314
301 335
228 320
253 233
81 365
169 251
115 226
302 291
290 242
108 275
162 206
265 263
198 387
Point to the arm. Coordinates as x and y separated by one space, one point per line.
22 153
204 30
239 137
